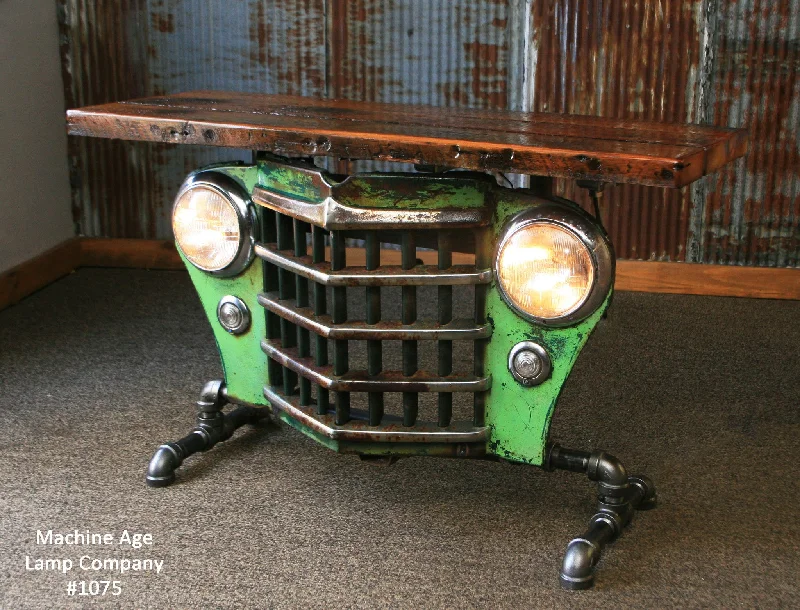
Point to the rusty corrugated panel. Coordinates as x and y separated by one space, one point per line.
419 52
622 59
132 48
731 63
750 214
723 63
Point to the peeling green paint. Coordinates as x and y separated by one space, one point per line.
243 362
282 178
519 417
411 192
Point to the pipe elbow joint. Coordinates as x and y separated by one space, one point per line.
609 473
577 568
161 470
213 396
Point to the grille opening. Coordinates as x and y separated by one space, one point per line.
406 360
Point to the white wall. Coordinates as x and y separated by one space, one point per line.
34 180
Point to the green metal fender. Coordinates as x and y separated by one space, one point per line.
519 417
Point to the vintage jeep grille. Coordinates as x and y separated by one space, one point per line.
312 323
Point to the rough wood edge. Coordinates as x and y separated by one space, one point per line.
632 276
36 273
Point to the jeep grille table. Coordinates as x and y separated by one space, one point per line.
280 249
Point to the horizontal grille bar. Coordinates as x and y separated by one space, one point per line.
421 275
385 330
359 430
330 214
360 381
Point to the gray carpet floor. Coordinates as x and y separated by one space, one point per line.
699 393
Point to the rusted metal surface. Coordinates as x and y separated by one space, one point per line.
421 275
331 214
621 59
420 52
750 213
722 63
391 431
359 381
123 49
381 330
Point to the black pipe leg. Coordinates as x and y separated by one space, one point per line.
619 496
212 427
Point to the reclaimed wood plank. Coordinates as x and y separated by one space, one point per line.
579 147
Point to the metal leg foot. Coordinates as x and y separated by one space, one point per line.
619 496
212 427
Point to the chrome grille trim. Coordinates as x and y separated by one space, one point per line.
359 381
332 215
386 331
421 275
356 430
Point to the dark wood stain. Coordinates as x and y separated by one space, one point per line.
496 140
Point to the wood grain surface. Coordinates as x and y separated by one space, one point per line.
570 146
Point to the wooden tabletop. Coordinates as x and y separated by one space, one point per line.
571 146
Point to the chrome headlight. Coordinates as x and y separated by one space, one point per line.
554 265
213 221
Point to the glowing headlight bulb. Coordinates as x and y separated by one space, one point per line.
545 270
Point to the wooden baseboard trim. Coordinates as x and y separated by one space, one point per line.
709 280
634 276
129 253
36 273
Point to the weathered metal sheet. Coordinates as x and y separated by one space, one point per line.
451 54
420 52
704 61
621 59
731 63
130 48
750 214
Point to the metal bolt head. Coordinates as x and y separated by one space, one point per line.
233 315
230 316
529 363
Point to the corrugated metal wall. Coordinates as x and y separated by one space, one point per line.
721 62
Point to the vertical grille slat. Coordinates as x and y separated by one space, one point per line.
272 322
408 260
445 316
301 291
483 260
320 308
374 348
339 315
286 290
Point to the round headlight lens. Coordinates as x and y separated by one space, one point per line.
545 270
206 227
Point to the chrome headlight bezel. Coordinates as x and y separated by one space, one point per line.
232 192
585 228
